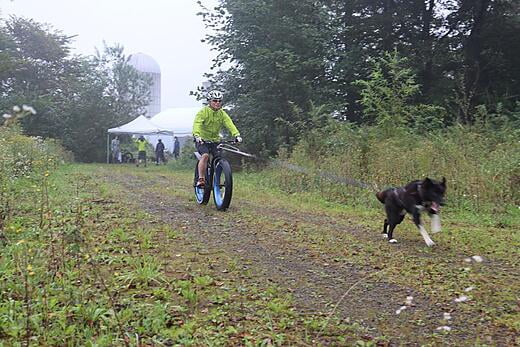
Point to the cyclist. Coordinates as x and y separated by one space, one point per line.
206 127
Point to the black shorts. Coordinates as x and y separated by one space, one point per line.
206 148
141 155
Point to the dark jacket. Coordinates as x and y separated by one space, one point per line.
159 148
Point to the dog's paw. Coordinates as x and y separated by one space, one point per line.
429 243
385 236
392 241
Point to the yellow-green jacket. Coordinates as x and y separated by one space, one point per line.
208 124
141 145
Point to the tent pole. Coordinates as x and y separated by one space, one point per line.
108 147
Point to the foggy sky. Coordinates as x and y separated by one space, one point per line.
167 30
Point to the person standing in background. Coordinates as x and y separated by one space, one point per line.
116 150
176 148
159 153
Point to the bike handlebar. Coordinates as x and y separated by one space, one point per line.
220 142
226 146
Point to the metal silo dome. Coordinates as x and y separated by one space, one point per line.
144 63
148 65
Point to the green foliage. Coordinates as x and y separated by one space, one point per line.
387 99
481 165
143 271
186 158
77 98
276 71
428 118
284 57
385 96
26 161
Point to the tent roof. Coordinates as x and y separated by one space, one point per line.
179 120
141 126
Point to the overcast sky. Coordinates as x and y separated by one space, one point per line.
167 30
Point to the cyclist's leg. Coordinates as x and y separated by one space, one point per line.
203 162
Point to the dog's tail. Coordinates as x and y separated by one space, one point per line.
381 196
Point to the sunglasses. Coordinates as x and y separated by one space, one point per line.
217 100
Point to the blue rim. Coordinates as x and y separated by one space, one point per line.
217 194
199 194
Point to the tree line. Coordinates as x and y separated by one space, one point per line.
77 98
287 67
428 63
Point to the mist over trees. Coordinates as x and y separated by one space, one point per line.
76 97
287 67
281 60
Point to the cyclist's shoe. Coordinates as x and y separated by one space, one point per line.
201 183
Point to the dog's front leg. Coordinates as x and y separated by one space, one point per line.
385 228
391 233
422 230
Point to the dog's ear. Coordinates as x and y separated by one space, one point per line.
427 181
443 181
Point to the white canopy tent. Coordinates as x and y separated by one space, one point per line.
139 126
179 120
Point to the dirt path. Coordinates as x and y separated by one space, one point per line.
262 239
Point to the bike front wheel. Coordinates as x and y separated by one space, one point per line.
222 184
201 194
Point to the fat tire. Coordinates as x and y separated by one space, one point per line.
222 170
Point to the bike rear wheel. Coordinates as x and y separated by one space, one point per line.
222 184
201 194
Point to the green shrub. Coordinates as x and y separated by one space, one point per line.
26 161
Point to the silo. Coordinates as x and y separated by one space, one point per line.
147 64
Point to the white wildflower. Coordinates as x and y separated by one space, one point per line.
28 109
469 289
400 309
16 108
409 300
447 316
462 298
7 115
477 258
444 328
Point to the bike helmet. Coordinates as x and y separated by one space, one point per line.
214 95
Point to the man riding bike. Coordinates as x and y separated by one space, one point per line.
206 127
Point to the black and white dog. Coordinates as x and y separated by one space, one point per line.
417 196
